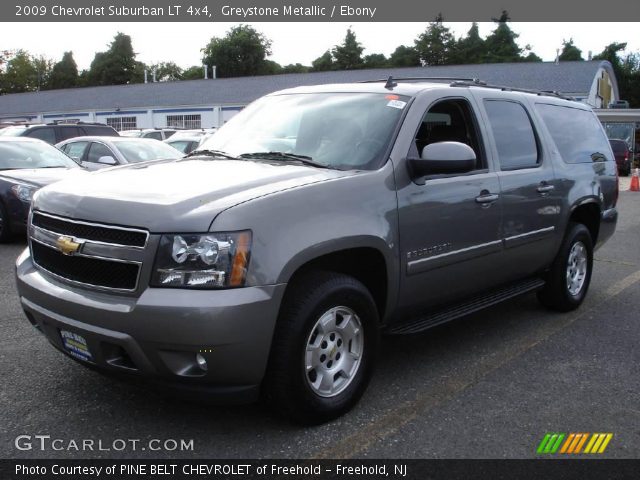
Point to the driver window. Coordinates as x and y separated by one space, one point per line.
449 121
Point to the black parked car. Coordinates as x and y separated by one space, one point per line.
26 165
623 156
57 132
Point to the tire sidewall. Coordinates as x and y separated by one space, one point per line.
313 407
578 233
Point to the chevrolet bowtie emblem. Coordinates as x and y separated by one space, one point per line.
67 245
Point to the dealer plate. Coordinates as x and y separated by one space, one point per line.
76 346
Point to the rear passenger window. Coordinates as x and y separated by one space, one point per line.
577 133
69 132
513 134
47 134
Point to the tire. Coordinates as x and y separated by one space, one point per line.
5 226
574 259
342 360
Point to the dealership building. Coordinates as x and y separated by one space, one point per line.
211 102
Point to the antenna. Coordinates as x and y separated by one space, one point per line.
390 83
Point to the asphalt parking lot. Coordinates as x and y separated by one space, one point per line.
487 386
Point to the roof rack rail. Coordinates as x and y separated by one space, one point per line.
391 79
504 88
74 122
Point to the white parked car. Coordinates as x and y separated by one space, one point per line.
95 153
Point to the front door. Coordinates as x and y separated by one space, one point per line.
449 224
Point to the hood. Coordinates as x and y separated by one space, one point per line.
42 176
173 196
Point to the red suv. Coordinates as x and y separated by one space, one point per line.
623 156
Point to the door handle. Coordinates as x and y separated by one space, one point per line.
486 199
545 188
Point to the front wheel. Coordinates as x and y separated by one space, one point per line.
323 348
570 274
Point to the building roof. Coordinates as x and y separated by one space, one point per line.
572 78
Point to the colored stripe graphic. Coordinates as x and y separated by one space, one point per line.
550 443
598 442
553 443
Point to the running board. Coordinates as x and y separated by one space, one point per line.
458 310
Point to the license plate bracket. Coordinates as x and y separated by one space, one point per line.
76 345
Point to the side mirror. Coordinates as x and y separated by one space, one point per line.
443 158
107 160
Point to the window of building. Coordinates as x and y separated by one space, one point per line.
513 133
184 121
123 123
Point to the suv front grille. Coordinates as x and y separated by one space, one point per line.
93 255
87 231
89 271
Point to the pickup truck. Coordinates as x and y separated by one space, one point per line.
271 260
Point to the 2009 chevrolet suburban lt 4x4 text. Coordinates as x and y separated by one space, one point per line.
270 260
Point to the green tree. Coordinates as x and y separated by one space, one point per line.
165 72
404 56
469 49
21 74
435 44
501 43
297 68
375 60
569 52
348 55
242 51
64 74
193 73
323 63
116 66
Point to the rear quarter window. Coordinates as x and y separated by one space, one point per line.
577 133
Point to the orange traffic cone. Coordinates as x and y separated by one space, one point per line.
635 182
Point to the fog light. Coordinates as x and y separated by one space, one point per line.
201 361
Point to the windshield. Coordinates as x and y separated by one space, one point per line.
340 130
130 133
144 150
19 154
12 131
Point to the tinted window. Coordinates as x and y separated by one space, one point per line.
577 133
618 146
75 149
68 132
97 150
513 134
449 121
46 133
154 135
100 131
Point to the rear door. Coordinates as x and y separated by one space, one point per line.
531 203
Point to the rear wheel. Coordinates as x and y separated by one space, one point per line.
323 349
569 277
5 226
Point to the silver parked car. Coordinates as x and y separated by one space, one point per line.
95 153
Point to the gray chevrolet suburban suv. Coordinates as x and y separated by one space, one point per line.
270 260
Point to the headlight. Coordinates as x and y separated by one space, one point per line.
24 192
210 260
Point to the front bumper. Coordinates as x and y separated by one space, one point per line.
158 334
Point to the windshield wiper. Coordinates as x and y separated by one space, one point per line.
211 153
285 156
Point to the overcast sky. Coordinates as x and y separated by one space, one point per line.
292 42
